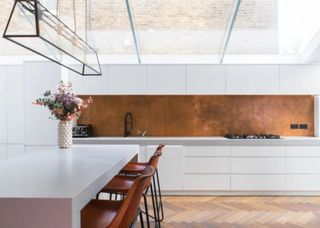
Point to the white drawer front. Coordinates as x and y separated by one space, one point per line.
258 165
303 165
303 151
206 151
207 165
207 182
257 151
258 182
303 182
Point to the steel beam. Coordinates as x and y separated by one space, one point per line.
133 30
229 29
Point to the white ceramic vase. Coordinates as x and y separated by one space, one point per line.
64 134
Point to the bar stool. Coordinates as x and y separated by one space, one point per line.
116 214
136 168
120 185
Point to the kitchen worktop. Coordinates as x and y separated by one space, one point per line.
52 185
214 141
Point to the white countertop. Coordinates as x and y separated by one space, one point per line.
60 180
219 141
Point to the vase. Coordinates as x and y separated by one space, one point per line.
64 134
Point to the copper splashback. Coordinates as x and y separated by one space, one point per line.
201 115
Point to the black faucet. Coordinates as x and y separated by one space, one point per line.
128 124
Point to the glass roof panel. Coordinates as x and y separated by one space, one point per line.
179 27
273 27
111 34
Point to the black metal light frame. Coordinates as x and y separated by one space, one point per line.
38 14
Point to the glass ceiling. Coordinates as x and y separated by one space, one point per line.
193 30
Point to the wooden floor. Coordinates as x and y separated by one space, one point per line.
241 212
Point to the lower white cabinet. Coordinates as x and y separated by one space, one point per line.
249 165
15 150
3 151
303 182
207 165
170 166
237 168
207 182
258 182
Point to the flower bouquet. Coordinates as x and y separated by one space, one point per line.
65 107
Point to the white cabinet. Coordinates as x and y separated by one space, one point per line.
3 151
90 85
206 151
3 107
303 182
166 79
128 79
15 150
258 151
15 104
248 165
170 166
252 79
207 165
299 79
206 79
39 77
207 182
258 182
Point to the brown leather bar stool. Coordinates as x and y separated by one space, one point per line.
117 214
120 185
136 168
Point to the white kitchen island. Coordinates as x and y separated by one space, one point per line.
48 189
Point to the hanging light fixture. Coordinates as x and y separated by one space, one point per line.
35 28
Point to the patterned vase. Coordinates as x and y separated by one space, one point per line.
64 134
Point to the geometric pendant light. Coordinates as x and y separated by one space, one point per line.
35 28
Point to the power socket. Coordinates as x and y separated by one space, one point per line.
303 126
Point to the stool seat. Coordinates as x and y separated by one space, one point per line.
134 167
119 184
99 213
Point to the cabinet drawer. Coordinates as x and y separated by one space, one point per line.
258 182
207 165
206 151
303 165
303 151
258 151
258 165
207 182
303 182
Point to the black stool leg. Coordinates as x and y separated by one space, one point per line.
146 209
141 219
160 196
157 223
156 199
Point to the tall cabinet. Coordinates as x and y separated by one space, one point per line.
39 129
11 110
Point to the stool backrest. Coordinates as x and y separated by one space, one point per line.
131 203
154 160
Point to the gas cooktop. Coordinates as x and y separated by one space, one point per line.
260 136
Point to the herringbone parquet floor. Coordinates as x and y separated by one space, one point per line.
241 212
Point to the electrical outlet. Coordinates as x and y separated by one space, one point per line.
294 126
303 126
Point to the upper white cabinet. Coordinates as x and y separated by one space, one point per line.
15 104
39 77
206 79
127 79
300 79
166 79
3 107
90 85
252 79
